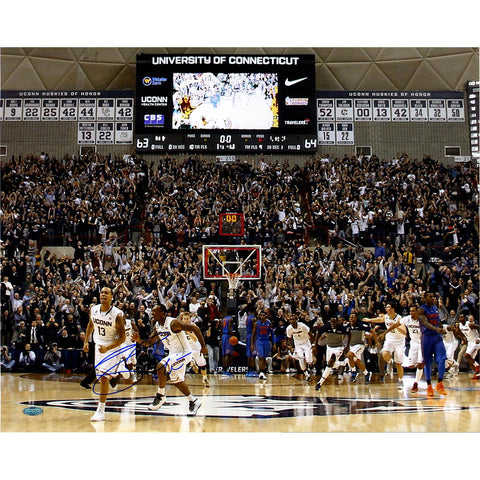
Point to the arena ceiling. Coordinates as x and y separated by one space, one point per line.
341 68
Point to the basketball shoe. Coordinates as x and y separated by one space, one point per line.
98 416
194 367
114 381
390 369
194 406
440 388
158 401
430 391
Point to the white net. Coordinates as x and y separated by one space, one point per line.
233 280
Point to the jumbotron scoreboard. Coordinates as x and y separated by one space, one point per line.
225 103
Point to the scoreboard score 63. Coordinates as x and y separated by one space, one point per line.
230 142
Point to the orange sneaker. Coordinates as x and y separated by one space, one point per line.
430 391
440 388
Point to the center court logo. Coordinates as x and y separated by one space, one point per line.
260 406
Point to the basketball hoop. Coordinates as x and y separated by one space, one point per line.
233 279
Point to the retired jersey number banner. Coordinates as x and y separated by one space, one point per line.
345 109
103 117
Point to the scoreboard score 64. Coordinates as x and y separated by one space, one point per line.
231 142
225 103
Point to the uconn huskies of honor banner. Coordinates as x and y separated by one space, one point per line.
346 108
102 117
442 106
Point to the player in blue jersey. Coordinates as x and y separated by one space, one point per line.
261 336
251 353
432 342
227 347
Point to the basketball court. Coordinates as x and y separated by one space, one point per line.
38 402
282 403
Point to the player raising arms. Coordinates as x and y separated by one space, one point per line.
172 332
432 342
108 327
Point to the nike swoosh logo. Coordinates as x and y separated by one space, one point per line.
289 83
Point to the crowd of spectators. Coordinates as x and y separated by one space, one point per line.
337 235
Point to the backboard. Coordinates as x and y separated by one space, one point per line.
221 261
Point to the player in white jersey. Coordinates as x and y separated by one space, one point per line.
470 329
302 341
415 357
394 347
450 340
358 332
108 327
172 332
198 359
128 350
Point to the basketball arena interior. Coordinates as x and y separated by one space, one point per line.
290 135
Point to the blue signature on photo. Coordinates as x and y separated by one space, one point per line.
122 353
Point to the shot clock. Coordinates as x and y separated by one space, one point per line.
231 224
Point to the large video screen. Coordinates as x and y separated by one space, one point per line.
240 103
225 101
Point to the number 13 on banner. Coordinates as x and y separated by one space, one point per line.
86 133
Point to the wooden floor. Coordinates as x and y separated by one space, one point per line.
282 403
